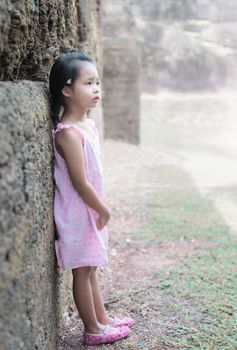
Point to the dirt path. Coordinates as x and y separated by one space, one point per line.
160 223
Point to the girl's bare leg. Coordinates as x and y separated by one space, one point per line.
101 313
83 297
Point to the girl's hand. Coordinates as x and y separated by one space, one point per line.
98 223
102 219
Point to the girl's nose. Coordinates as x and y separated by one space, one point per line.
97 89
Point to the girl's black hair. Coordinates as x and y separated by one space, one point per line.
64 72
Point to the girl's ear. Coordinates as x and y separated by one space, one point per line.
66 91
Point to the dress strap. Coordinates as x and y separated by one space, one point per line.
61 126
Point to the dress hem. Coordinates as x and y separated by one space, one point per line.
83 264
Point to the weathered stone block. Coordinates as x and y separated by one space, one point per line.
121 94
31 286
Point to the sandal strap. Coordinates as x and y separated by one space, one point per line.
106 330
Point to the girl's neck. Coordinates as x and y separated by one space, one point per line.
74 117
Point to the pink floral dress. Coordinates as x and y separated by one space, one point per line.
78 241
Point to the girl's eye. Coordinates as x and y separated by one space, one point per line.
89 82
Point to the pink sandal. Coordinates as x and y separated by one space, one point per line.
125 321
106 336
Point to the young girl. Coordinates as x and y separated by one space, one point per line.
80 213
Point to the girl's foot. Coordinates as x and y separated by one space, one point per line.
125 321
108 335
118 322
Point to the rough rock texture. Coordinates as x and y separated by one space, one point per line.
121 97
34 294
29 284
33 33
187 45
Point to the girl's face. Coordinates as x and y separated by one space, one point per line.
85 92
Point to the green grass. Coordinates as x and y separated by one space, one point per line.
200 294
203 294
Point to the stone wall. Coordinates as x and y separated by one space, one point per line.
187 45
33 33
34 293
179 45
121 95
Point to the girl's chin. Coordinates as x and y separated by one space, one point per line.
94 103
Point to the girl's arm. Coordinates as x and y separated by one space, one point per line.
72 150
